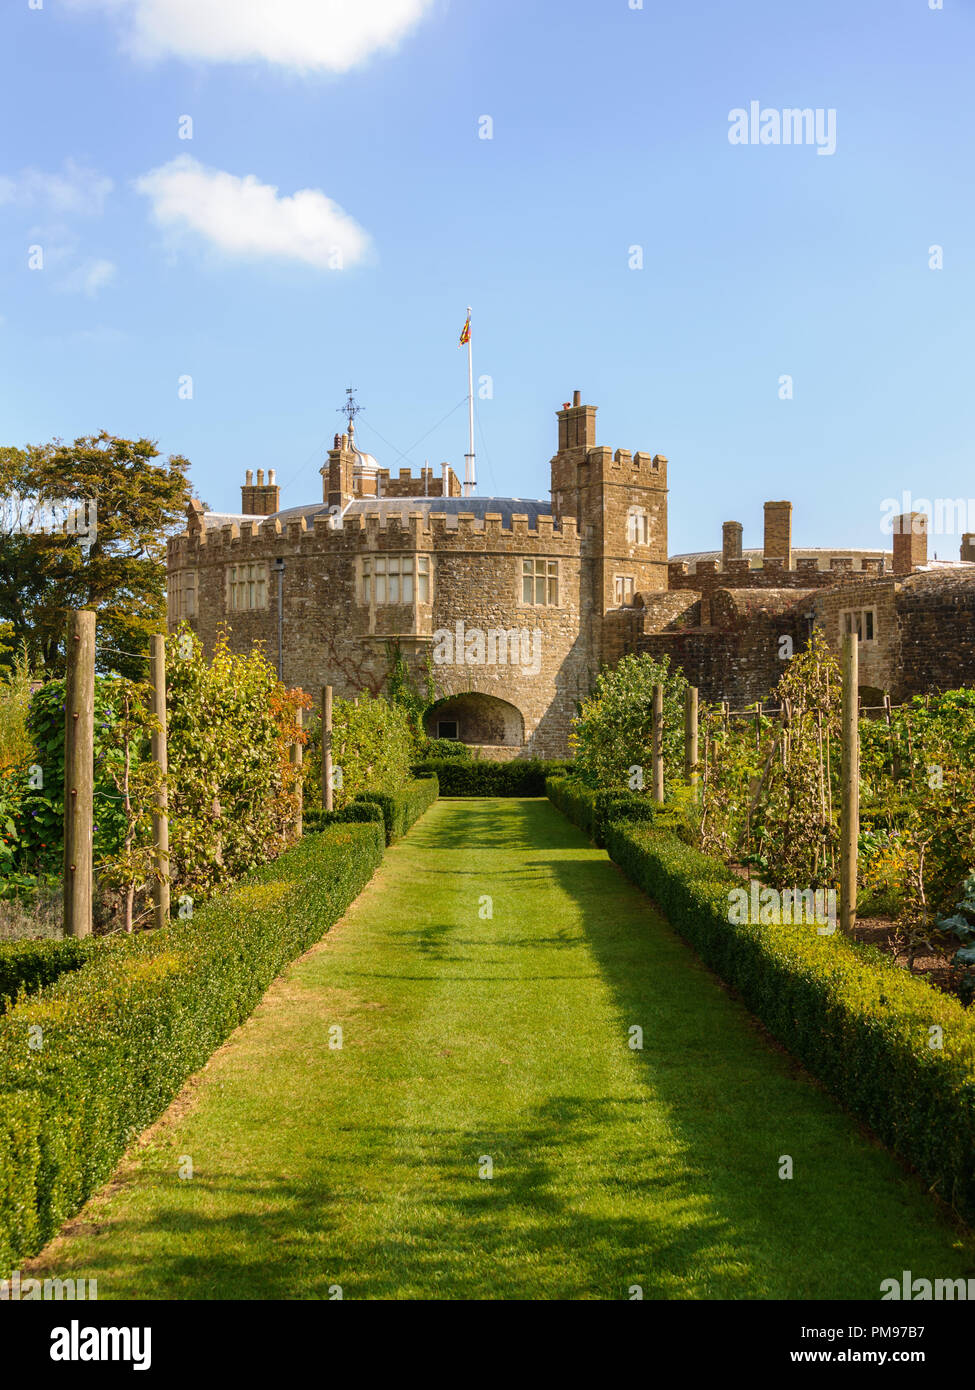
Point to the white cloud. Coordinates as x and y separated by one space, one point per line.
89 278
334 35
74 189
244 217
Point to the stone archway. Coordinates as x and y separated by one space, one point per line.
480 720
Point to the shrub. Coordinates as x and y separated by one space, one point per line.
485 778
356 813
858 1022
402 809
613 730
372 744
433 749
592 810
120 1036
27 966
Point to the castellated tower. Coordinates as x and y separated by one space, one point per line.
619 502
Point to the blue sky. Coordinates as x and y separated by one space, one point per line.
610 131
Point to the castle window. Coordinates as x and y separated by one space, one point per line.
395 578
862 621
638 527
540 582
182 595
247 587
625 586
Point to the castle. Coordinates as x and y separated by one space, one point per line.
513 606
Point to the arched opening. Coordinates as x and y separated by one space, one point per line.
481 720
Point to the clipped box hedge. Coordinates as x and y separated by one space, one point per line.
592 810
402 809
121 1035
485 778
27 966
356 813
856 1020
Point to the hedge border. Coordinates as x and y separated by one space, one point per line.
484 777
856 1020
120 1036
401 810
27 966
592 810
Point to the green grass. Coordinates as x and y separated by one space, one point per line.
466 1037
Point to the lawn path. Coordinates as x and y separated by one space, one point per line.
469 1038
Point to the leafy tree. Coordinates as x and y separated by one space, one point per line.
613 731
122 576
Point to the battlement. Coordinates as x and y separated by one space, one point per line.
371 530
382 483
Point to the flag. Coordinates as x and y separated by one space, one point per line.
465 337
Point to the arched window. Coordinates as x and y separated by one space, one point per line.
638 527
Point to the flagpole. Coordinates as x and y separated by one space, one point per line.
470 477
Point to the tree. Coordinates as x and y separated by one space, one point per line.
613 731
122 575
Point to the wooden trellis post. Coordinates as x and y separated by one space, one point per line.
690 739
297 757
327 793
79 772
658 744
160 756
850 811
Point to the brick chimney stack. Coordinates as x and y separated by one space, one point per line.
262 499
577 425
910 542
778 532
968 547
337 473
730 542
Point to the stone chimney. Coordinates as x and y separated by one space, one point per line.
262 499
778 532
337 484
910 542
968 547
577 425
730 542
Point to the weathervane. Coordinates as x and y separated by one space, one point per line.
350 409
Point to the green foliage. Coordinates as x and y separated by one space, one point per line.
433 749
27 966
613 731
140 502
405 693
232 787
356 813
857 1021
402 808
770 787
592 811
485 778
372 745
121 1035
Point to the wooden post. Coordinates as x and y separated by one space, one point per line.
160 756
690 739
79 772
327 794
297 757
658 744
850 813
